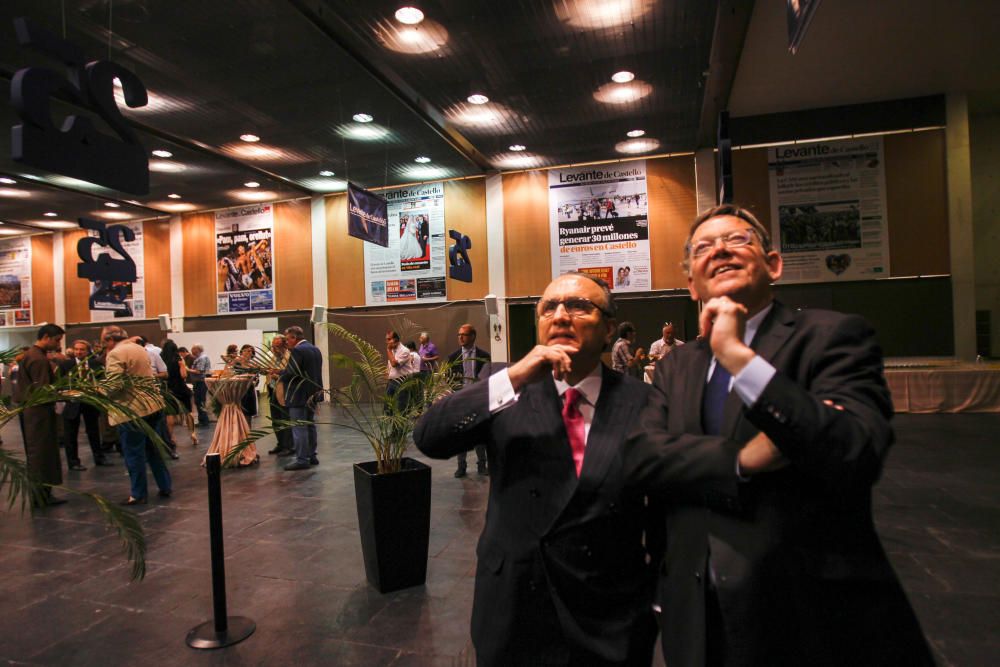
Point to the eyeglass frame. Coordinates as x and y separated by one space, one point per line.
562 302
750 232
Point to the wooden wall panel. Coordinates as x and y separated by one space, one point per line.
916 199
200 274
465 210
673 204
917 202
77 290
156 269
526 233
345 260
293 255
43 295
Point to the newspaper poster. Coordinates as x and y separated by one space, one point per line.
413 267
598 223
828 214
112 300
245 258
15 282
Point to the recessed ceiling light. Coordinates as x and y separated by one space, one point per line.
635 133
254 195
166 166
427 37
409 15
422 159
50 214
55 224
250 138
251 184
174 195
478 98
363 132
363 118
634 146
7 181
622 77
517 147
326 172
622 93
111 204
159 152
113 215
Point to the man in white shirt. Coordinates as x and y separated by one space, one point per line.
399 367
661 347
562 574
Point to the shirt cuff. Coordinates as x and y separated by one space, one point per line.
502 394
750 383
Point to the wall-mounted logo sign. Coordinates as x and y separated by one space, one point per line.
112 277
460 268
77 148
367 216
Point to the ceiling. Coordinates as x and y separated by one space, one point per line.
294 73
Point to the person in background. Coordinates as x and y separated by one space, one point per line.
276 396
244 365
231 355
127 358
177 374
200 369
398 368
303 381
466 364
661 347
428 352
624 359
81 366
41 447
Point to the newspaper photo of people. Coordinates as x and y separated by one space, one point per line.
244 259
15 282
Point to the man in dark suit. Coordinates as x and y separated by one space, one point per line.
303 380
423 234
777 561
82 364
41 449
465 365
562 575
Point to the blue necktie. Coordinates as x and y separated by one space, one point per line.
714 402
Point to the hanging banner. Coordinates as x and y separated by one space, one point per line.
367 217
15 282
598 223
245 258
828 215
111 300
413 266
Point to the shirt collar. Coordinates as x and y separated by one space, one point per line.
753 324
589 387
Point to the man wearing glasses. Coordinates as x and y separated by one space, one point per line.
562 574
466 364
777 561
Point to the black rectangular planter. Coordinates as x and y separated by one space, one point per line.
394 517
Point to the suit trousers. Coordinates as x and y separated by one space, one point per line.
304 437
480 457
279 413
200 398
71 432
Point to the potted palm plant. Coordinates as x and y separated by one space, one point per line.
393 491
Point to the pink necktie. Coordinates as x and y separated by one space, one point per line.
573 419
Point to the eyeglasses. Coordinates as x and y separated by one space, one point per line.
737 239
576 306
466 333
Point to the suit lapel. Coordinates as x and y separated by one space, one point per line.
693 399
606 430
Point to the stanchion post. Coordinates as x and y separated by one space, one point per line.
222 630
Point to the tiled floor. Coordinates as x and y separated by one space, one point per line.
294 566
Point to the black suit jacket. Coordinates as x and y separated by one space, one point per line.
799 571
72 408
482 357
556 552
303 376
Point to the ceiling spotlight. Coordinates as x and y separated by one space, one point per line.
250 138
50 214
622 93
409 15
251 184
55 224
517 147
326 172
635 133
622 77
111 204
174 195
423 159
166 166
363 118
162 153
478 98
7 181
635 146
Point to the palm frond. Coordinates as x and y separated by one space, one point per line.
21 487
127 526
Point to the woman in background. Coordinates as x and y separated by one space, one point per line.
243 364
178 410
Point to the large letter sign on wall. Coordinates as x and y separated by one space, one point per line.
460 268
77 148
112 277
